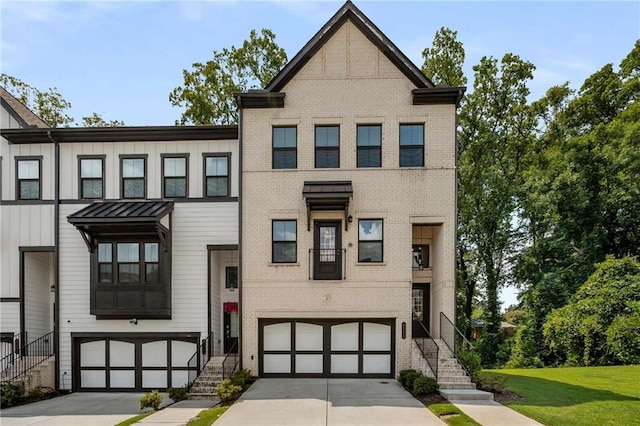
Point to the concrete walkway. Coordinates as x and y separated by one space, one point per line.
177 414
494 414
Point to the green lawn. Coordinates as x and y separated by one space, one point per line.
206 417
136 419
452 414
577 396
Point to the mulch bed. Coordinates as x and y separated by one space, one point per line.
428 399
506 396
47 394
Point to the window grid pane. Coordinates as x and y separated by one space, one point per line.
150 252
128 252
91 168
133 188
133 167
411 134
29 189
175 167
284 137
28 169
369 136
91 188
175 187
217 186
217 166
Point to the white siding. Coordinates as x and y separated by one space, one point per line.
10 317
38 303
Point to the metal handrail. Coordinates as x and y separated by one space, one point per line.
230 361
456 340
338 253
199 359
429 349
26 358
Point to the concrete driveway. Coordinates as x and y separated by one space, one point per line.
83 408
327 402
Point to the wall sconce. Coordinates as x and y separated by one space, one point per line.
53 288
133 321
350 218
404 330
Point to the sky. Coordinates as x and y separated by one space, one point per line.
121 59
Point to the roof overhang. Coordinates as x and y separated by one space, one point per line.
438 95
260 99
327 195
111 218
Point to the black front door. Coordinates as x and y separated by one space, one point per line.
230 323
420 304
327 251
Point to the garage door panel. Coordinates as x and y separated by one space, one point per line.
93 379
277 364
376 364
376 337
309 337
154 354
154 379
181 352
344 337
123 379
344 364
277 337
179 378
310 364
122 354
92 354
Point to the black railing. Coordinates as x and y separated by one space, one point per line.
327 264
27 357
429 349
200 358
230 362
459 345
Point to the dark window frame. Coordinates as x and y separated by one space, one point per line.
335 148
102 158
20 158
145 158
381 241
227 283
275 149
206 155
275 242
410 147
163 177
368 148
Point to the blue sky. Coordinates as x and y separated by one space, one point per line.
122 58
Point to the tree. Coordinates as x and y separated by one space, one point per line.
96 120
444 60
207 93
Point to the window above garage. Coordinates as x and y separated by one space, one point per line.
130 257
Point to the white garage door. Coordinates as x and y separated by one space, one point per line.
132 363
326 348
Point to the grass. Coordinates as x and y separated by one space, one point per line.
451 414
207 417
136 419
577 396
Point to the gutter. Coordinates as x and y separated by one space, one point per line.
56 258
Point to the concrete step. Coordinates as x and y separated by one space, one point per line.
466 395
202 396
456 385
458 379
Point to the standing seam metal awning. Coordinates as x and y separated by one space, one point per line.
329 195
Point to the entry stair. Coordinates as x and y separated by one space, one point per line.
205 385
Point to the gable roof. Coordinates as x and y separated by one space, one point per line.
349 12
19 111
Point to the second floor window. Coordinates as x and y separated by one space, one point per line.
91 178
369 142
411 145
133 170
370 240
28 182
174 174
285 155
327 147
231 277
216 175
284 245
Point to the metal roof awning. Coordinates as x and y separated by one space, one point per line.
329 195
109 218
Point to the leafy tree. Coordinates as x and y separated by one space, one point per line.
444 60
601 323
96 120
208 90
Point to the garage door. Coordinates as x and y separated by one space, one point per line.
327 348
131 363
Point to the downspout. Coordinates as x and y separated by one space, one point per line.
56 258
239 230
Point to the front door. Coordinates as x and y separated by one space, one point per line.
420 303
327 251
230 332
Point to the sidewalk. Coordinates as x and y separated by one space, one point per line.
179 413
494 414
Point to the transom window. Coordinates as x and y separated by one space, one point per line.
284 245
370 240
133 170
216 175
135 262
174 175
369 145
91 177
285 155
411 145
28 178
231 280
327 147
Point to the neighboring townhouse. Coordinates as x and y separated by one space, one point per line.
316 238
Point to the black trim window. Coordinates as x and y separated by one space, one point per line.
174 176
285 153
411 145
28 179
135 263
91 178
231 273
370 240
327 147
216 175
133 170
369 143
284 245
105 263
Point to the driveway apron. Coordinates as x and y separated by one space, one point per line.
327 402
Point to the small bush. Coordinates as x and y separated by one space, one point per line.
241 377
491 382
178 394
36 393
11 394
227 391
151 399
471 361
424 385
406 377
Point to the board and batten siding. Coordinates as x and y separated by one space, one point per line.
38 300
9 152
194 226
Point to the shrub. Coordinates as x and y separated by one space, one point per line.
151 399
423 385
491 382
11 394
406 377
36 393
241 377
471 361
178 394
227 391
